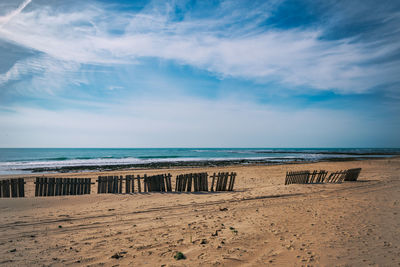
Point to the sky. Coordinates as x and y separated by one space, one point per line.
279 73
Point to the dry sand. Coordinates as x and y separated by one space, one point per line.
262 223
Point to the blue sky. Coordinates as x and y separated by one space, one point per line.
199 73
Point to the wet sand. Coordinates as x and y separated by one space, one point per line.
262 223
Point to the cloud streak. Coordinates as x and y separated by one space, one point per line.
9 16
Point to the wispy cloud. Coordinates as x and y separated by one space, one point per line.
225 46
9 16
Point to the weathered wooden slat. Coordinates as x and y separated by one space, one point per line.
57 187
62 187
181 181
198 182
41 186
168 179
128 184
189 182
145 183
120 184
149 185
138 184
109 184
114 184
219 180
225 181
100 185
77 182
206 181
52 186
6 188
103 184
78 186
70 186
230 181
86 187
82 186
184 181
201 181
45 185
178 183
2 187
213 181
14 191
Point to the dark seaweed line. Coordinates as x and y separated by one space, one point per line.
188 164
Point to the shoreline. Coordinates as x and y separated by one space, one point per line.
183 164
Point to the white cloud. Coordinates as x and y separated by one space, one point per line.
48 75
293 57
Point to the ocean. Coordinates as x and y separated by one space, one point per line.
28 160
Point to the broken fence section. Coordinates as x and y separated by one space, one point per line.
45 187
134 184
352 174
191 182
197 182
12 187
224 181
315 177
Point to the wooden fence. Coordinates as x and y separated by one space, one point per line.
222 183
306 177
158 183
114 184
109 184
191 182
62 186
336 177
12 187
352 174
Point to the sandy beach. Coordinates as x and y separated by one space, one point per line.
262 223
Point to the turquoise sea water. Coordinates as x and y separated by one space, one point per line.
16 160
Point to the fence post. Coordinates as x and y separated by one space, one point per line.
14 192
169 182
127 184
177 182
138 184
57 187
